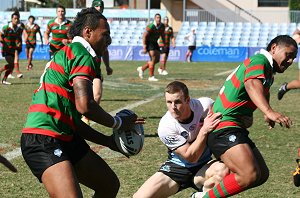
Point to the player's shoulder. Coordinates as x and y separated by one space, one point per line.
69 22
201 104
166 123
151 26
259 58
5 27
51 22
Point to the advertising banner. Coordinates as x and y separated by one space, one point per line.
120 52
220 54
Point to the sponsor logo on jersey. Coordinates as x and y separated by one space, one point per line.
184 134
170 140
165 168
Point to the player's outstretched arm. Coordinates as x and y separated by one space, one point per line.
255 90
87 106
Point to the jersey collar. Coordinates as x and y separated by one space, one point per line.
64 22
11 26
85 44
267 55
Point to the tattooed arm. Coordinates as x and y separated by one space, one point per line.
87 106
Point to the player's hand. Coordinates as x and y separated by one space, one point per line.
113 146
46 42
279 118
65 41
7 163
109 70
270 123
130 120
211 121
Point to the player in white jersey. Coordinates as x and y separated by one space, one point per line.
184 129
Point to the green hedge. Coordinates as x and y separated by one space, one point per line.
294 4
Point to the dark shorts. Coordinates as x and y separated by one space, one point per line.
4 54
224 139
10 53
152 46
192 47
30 45
182 175
40 151
165 50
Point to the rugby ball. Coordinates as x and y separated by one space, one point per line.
129 142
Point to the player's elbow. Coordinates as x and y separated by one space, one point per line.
85 107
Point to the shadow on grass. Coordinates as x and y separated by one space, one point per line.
151 135
25 83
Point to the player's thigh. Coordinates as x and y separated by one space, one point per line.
93 172
158 185
60 180
10 60
262 166
240 159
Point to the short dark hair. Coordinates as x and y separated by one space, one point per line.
157 14
177 86
31 17
284 40
16 13
86 17
62 7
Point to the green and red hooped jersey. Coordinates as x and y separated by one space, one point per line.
12 38
52 111
233 101
31 32
59 32
155 31
168 36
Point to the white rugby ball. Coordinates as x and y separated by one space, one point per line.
129 142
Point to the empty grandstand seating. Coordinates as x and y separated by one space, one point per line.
234 33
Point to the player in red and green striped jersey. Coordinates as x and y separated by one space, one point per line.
165 47
244 90
59 28
52 140
32 29
153 32
11 39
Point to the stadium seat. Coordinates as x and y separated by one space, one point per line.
185 24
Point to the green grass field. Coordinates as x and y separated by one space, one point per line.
278 146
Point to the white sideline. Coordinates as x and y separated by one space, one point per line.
223 73
17 152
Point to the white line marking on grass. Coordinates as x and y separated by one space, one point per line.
223 73
131 106
17 152
13 154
